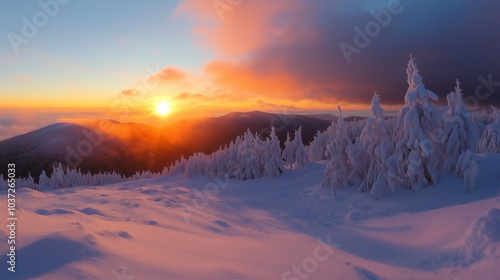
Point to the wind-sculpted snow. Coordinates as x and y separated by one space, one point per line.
483 234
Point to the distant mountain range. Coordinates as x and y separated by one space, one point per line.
106 145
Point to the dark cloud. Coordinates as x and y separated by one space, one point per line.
300 56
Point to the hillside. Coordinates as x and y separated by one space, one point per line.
106 145
199 228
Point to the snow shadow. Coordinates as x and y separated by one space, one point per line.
367 274
45 212
45 256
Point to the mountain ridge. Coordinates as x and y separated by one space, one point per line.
108 145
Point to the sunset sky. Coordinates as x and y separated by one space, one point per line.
119 59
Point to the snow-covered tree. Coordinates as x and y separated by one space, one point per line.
490 138
460 130
26 182
482 119
232 156
196 164
316 149
113 178
467 166
417 152
331 134
64 177
106 178
273 161
260 150
247 157
338 169
166 171
43 181
248 166
219 162
376 143
179 166
295 153
300 158
354 128
288 152
58 179
358 159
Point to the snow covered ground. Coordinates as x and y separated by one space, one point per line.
283 228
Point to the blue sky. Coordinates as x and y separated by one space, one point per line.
98 46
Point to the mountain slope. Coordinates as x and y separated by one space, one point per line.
281 228
105 145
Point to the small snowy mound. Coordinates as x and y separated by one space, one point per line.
482 236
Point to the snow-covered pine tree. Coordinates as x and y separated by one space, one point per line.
300 156
338 168
179 166
316 149
248 165
467 166
416 151
86 178
73 178
233 157
376 143
210 169
58 178
196 164
216 163
354 128
331 134
460 130
358 159
295 153
26 182
288 152
274 165
182 165
260 149
165 171
113 177
490 138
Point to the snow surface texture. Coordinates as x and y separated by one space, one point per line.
268 228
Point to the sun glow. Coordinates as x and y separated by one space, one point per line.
163 108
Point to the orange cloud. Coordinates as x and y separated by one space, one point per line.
241 79
249 39
191 96
269 54
128 93
170 74
241 27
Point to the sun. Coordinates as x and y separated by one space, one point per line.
163 108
